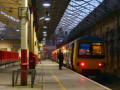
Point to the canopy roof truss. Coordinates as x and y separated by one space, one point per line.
76 11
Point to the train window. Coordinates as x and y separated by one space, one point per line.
97 49
84 48
91 50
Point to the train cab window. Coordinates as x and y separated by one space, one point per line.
91 50
97 49
84 49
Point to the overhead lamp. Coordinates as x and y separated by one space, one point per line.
47 18
44 27
44 32
44 39
17 30
41 18
41 45
46 3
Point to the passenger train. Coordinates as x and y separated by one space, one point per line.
85 55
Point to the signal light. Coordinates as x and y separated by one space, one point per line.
82 64
100 64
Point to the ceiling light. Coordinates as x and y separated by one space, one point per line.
44 39
17 30
47 19
41 45
44 32
41 18
46 3
44 35
10 17
44 27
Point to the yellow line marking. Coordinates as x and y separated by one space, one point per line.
58 81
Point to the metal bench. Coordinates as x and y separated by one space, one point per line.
17 72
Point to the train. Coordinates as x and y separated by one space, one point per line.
85 55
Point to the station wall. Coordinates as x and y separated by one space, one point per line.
9 45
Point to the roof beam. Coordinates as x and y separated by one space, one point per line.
77 9
81 5
74 15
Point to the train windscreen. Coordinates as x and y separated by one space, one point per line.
84 49
91 50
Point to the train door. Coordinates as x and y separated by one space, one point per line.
71 56
74 60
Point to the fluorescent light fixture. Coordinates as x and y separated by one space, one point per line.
46 3
44 32
41 18
44 39
44 27
47 19
17 30
10 17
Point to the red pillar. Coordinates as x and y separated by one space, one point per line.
24 66
31 61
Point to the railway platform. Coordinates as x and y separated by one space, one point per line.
49 77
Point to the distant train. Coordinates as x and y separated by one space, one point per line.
86 55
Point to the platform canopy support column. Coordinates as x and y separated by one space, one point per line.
32 43
36 43
24 39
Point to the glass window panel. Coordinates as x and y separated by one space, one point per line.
85 49
77 10
97 49
91 50
87 0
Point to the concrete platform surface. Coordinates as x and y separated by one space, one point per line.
49 77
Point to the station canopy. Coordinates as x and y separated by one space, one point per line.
9 12
9 21
76 11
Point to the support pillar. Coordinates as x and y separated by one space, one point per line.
36 43
31 44
24 29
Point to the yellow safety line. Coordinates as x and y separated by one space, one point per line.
58 81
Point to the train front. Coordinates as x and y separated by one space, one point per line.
90 57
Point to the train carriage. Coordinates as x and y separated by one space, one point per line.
86 55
